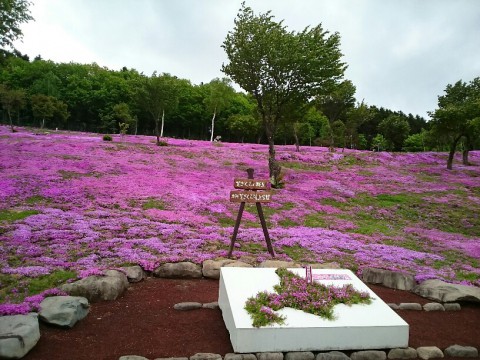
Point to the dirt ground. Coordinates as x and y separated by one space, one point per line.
143 322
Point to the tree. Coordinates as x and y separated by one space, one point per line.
415 142
458 116
395 129
336 104
379 143
279 67
219 95
12 102
122 115
13 13
356 116
319 125
47 107
338 133
159 94
42 107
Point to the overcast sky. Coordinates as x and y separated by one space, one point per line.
401 54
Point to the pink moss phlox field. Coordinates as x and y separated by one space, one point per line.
72 202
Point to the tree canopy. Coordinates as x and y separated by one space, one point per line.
13 13
458 116
280 67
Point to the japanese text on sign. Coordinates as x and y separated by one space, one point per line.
250 184
250 196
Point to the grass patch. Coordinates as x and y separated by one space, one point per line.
32 200
10 216
287 223
252 248
225 221
368 225
154 204
297 253
315 220
468 276
295 165
37 285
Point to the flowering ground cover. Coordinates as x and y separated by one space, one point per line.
297 292
72 205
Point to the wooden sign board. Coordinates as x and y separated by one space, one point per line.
250 184
250 196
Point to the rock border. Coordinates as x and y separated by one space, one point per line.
114 282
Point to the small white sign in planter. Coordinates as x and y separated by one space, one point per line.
356 327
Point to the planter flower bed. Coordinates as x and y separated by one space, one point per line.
297 293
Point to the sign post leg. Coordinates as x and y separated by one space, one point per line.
235 230
265 230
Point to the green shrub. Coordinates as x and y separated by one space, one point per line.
107 137
162 143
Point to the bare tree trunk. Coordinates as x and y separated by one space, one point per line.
465 157
213 123
10 119
453 147
163 122
273 167
43 124
157 130
295 136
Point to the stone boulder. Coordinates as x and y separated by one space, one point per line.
461 351
369 355
63 311
211 268
182 270
206 356
237 263
187 306
235 356
332 355
390 279
18 335
134 273
96 288
278 264
402 353
442 291
429 352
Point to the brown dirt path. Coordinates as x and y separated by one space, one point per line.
143 322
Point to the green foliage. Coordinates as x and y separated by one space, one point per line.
280 68
415 142
11 215
362 143
48 107
458 116
379 143
395 129
107 137
123 128
12 101
13 13
260 312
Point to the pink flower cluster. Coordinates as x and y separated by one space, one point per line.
92 205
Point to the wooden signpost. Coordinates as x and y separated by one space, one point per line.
248 193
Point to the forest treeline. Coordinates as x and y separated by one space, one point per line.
89 97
